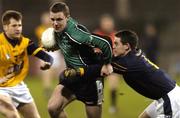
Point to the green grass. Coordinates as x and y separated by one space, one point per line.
130 105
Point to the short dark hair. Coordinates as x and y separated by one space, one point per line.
60 7
7 15
128 36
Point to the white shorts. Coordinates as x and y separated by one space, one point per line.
19 93
166 107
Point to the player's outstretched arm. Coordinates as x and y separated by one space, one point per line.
92 71
41 54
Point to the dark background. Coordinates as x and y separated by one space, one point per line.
131 14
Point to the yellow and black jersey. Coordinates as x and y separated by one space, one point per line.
14 59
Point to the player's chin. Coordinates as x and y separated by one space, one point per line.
58 29
114 54
17 36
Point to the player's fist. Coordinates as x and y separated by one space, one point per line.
106 70
46 66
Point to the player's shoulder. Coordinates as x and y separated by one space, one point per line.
1 36
132 58
82 27
73 24
25 37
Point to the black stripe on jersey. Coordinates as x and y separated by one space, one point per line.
31 47
44 56
40 54
167 107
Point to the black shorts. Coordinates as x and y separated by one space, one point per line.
89 92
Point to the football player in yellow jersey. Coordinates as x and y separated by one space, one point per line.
14 51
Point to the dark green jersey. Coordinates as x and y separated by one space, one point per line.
76 45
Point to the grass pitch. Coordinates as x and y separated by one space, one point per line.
130 104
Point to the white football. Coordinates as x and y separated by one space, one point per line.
48 39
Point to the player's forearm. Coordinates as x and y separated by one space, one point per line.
105 47
39 53
44 56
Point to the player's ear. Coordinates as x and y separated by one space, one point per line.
127 46
5 27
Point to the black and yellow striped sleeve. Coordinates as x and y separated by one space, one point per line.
39 52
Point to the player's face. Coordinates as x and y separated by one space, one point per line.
119 49
14 29
59 21
107 25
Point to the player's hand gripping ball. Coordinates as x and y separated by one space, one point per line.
48 39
